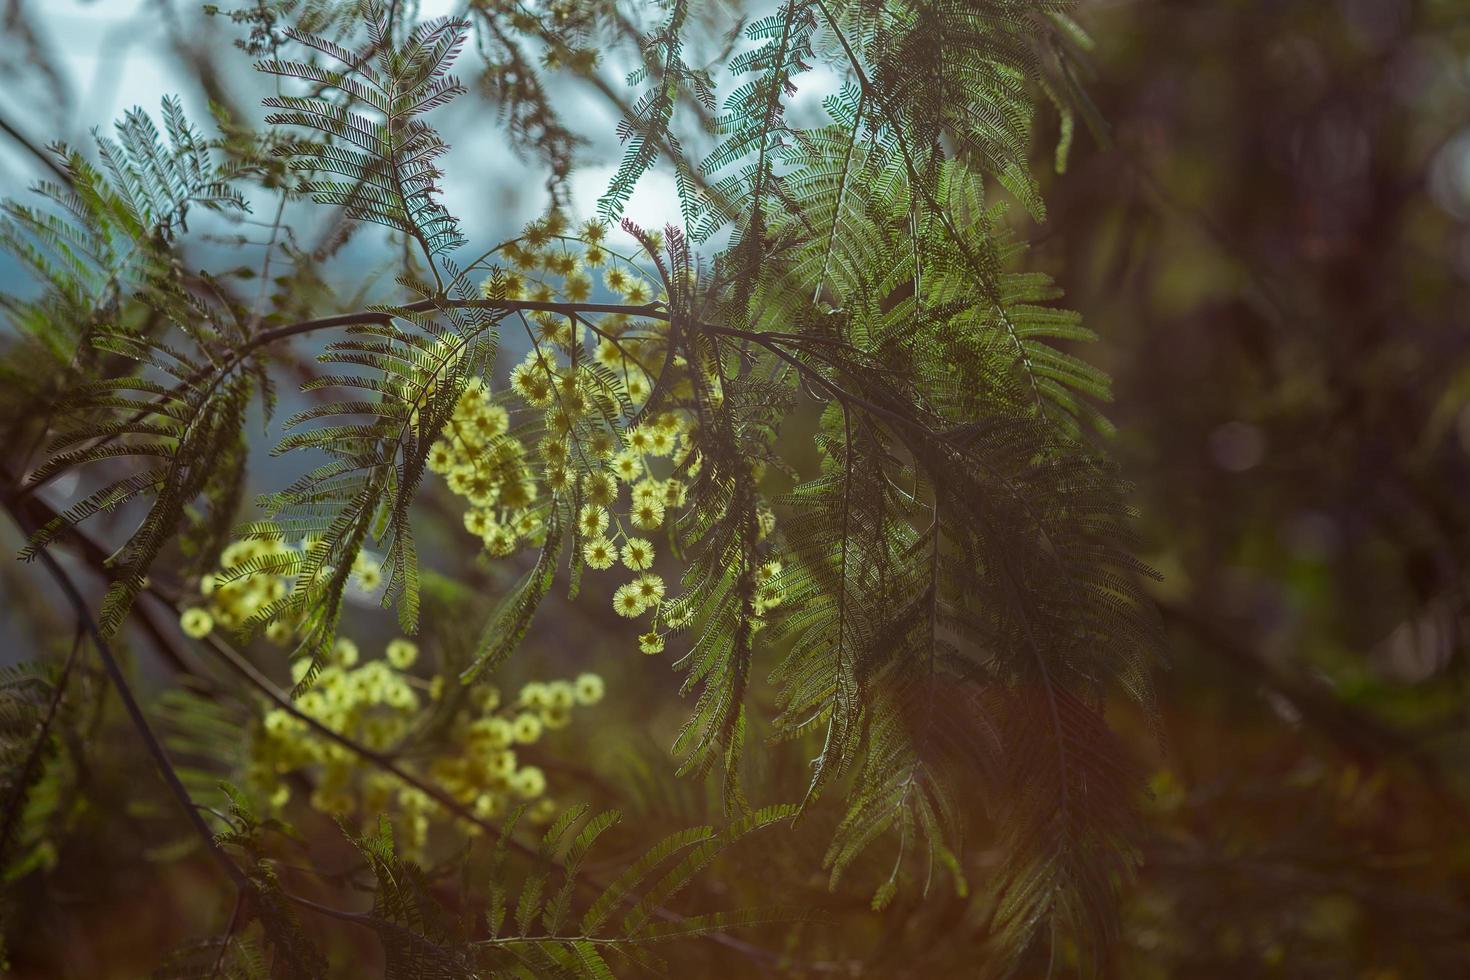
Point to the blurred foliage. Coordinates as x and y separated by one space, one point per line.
1274 247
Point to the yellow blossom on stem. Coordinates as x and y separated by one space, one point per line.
599 553
592 520
529 782
527 728
196 623
649 514
626 601
650 587
638 554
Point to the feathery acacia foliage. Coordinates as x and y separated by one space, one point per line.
546 918
184 408
388 158
949 603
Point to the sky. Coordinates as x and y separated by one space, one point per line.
115 55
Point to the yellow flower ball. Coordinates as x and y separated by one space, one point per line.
600 444
441 457
649 514
638 554
345 651
485 697
639 439
600 489
478 522
501 542
627 466
559 694
588 689
401 653
527 728
650 587
599 553
529 782
493 733
577 287
402 697
277 722
502 764
626 601
592 520
607 353
196 623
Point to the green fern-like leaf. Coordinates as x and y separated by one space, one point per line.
668 77
180 409
370 132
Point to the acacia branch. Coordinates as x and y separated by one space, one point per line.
241 666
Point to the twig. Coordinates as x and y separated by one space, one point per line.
230 927
34 151
140 722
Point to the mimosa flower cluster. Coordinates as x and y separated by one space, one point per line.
569 439
253 574
483 463
481 757
564 433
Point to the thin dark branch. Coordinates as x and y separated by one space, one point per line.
243 667
228 937
135 714
34 151
651 310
